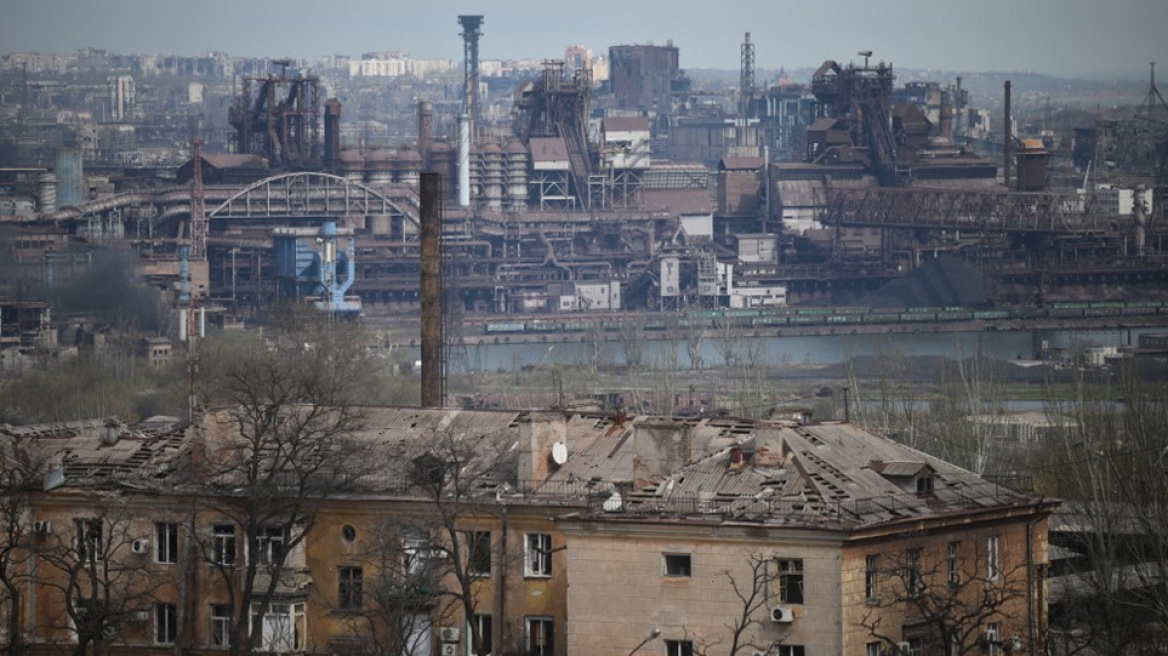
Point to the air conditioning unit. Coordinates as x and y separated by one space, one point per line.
449 634
782 615
903 649
449 649
139 546
42 526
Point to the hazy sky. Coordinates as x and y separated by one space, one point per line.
1060 37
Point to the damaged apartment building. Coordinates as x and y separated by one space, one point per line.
431 531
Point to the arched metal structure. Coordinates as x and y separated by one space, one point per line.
310 194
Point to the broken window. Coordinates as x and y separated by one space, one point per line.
539 554
478 556
993 567
540 636
790 580
223 544
166 542
872 577
678 565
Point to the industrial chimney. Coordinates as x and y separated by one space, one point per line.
431 289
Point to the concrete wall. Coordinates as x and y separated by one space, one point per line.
619 592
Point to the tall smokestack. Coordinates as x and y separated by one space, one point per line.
463 160
425 127
332 132
1007 130
431 289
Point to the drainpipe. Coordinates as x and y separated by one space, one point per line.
501 593
1030 583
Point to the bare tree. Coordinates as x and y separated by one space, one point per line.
1110 594
962 601
753 596
632 339
18 477
727 341
279 445
90 566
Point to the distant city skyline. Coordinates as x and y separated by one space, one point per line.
1056 37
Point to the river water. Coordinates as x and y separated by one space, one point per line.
811 350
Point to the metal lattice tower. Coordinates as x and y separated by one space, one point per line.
198 208
470 66
746 79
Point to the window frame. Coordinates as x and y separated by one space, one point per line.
166 543
953 563
993 558
788 579
165 623
537 551
350 587
872 577
221 623
224 545
547 629
478 553
293 612
271 545
486 627
679 648
89 539
913 578
993 637
677 565
791 650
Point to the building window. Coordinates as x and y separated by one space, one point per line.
993 568
416 630
223 544
790 650
791 580
478 553
953 563
915 647
913 582
165 542
678 648
873 649
539 554
678 565
414 551
282 628
270 543
539 636
165 624
872 577
484 624
925 485
90 546
350 585
221 616
993 637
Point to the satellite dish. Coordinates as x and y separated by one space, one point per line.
559 453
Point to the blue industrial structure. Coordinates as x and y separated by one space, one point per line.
317 265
